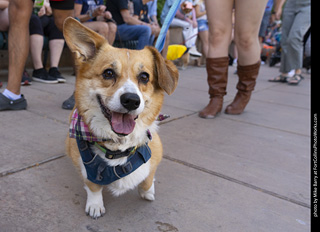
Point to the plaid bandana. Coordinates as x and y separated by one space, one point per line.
79 129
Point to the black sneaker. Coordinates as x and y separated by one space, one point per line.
26 79
41 75
8 104
54 72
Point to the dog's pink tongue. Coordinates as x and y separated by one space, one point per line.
122 123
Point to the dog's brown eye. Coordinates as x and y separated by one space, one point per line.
109 74
143 77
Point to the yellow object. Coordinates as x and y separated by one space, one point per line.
175 51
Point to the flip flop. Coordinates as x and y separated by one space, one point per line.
281 78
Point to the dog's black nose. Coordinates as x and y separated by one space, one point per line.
130 101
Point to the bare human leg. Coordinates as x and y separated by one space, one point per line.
18 41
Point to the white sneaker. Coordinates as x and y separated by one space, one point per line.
193 52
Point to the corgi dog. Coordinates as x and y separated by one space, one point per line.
119 93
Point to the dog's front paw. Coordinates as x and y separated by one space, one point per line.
149 194
95 210
94 206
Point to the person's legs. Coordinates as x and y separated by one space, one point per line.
98 26
295 25
204 36
217 58
60 16
287 21
4 19
61 10
56 48
247 81
112 32
36 41
220 27
134 32
295 44
56 41
18 41
11 99
247 24
36 45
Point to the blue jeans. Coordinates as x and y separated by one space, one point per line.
134 32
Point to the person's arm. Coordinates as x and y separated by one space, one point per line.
154 20
180 15
198 12
278 8
194 19
48 7
104 16
77 13
130 20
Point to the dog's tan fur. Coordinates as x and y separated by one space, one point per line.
93 55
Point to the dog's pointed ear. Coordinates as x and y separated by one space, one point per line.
166 72
81 40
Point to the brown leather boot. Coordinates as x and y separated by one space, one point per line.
247 81
217 70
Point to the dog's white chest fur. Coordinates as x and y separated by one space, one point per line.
131 181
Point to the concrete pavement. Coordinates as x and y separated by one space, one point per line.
229 174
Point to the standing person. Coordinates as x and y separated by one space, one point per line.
93 14
295 23
19 17
248 16
128 27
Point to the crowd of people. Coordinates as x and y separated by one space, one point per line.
123 20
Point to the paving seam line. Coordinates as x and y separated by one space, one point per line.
251 186
12 171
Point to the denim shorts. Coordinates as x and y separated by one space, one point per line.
203 25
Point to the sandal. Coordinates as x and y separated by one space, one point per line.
295 79
281 78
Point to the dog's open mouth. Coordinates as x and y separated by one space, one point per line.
121 124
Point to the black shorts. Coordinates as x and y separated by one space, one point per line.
62 5
44 26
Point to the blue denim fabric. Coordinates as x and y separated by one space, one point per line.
203 25
141 33
98 170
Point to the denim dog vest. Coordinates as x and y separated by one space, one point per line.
98 170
